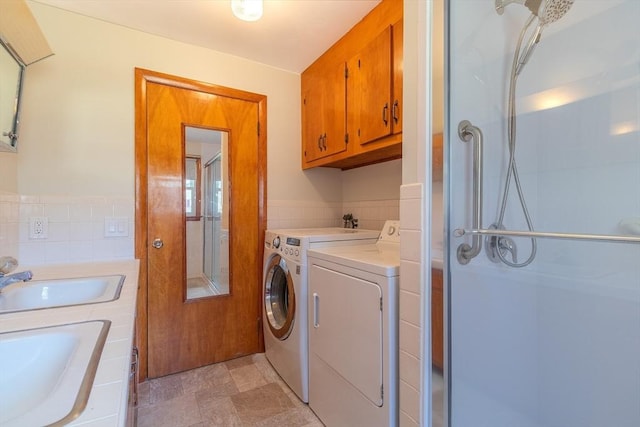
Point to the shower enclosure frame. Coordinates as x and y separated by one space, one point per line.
528 346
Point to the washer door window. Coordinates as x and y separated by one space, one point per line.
279 298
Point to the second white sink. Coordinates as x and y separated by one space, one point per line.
38 294
47 373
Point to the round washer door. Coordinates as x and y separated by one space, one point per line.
279 298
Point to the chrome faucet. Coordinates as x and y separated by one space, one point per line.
7 265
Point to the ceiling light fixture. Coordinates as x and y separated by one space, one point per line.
247 10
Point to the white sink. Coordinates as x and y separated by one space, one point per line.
37 294
47 373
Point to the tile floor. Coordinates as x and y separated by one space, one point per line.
240 392
198 287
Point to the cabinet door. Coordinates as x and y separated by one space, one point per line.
323 114
396 110
335 115
369 90
312 121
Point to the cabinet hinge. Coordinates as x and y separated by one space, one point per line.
346 72
346 138
382 391
358 63
380 303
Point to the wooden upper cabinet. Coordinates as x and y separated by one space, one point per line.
324 114
355 118
369 91
396 109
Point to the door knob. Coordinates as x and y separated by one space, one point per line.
158 243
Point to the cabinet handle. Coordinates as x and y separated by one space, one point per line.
396 109
324 141
320 143
385 112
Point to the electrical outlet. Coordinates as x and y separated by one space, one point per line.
38 227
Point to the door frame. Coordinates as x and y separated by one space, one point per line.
142 77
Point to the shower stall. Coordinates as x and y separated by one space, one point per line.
542 187
215 237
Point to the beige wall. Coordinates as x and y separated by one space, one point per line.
76 155
78 118
8 172
380 181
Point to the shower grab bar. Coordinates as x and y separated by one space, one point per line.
467 132
459 232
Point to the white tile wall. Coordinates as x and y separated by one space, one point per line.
9 215
76 224
301 214
371 214
76 229
411 252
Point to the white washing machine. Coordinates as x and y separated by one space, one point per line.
353 332
285 285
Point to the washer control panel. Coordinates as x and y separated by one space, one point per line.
291 248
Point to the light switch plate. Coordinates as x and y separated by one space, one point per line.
116 226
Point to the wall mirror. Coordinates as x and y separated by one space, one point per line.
206 205
11 77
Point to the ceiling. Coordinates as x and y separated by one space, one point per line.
290 35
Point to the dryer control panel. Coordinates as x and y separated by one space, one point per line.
390 232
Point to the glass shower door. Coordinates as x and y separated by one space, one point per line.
543 213
213 211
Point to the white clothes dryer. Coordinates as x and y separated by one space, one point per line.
285 293
353 332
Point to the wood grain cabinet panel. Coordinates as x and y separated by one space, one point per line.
323 113
369 101
396 108
358 106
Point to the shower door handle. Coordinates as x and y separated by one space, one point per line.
467 132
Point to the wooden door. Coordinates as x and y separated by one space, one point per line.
183 334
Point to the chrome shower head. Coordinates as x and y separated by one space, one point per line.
553 10
547 12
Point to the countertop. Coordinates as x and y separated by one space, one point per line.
107 405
